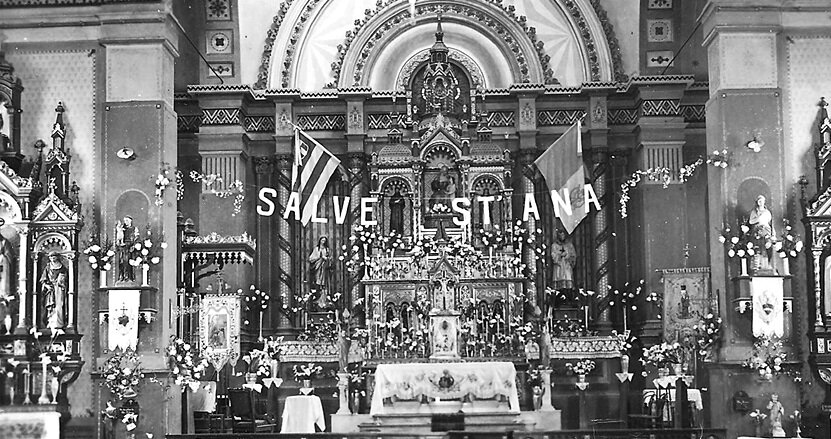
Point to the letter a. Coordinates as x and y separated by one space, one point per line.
530 207
590 197
293 205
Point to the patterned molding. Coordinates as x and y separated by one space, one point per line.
188 123
660 107
623 116
547 118
313 351
501 119
220 116
294 38
216 238
382 121
259 124
322 122
265 60
465 12
579 348
694 113
35 3
611 39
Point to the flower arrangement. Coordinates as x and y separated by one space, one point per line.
144 254
122 374
741 245
307 371
757 416
494 239
258 362
256 299
183 366
768 357
440 209
582 367
790 245
625 339
99 255
661 355
707 334
719 159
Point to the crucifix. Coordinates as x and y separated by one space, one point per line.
444 279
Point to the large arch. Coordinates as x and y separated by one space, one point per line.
317 36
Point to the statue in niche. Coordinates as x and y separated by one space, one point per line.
776 411
54 282
5 141
397 205
493 213
126 237
7 295
320 262
444 188
563 259
761 232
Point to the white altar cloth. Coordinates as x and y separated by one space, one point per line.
693 396
412 380
302 413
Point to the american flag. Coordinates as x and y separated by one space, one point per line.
313 167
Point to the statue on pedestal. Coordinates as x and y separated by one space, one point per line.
320 266
5 141
761 232
563 259
54 281
776 412
7 295
126 237
444 188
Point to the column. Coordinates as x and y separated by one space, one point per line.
22 291
71 301
263 169
283 261
357 166
601 175
526 160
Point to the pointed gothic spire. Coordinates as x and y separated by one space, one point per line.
438 53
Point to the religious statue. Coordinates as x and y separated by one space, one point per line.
563 258
761 232
54 281
397 204
126 237
5 141
776 411
320 265
444 188
7 296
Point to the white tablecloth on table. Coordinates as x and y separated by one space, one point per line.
301 413
411 381
693 395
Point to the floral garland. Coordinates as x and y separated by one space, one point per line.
719 159
662 174
768 358
707 334
99 256
790 245
235 188
582 367
162 182
183 366
687 171
122 374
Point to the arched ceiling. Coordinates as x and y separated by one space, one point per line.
313 44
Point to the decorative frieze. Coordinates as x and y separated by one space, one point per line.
501 119
322 122
559 117
220 116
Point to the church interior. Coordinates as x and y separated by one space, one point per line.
415 219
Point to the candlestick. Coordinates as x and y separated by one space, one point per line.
625 312
586 315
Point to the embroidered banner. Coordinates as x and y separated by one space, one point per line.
219 328
124 315
768 307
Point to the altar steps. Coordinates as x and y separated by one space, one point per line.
420 423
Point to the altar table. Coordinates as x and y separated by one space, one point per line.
301 413
693 396
413 380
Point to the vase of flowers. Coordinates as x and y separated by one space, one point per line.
305 372
122 374
758 418
663 355
184 367
582 367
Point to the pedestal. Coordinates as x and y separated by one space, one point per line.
343 394
546 391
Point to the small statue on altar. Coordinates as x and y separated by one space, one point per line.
126 237
397 205
776 412
444 187
761 232
7 296
5 141
320 265
563 259
54 281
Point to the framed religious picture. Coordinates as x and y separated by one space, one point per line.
687 299
219 327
